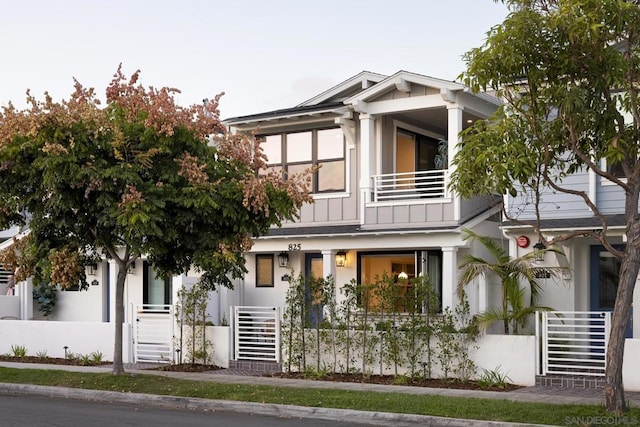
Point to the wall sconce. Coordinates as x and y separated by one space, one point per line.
283 259
538 251
341 259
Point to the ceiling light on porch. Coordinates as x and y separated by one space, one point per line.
341 259
283 259
538 250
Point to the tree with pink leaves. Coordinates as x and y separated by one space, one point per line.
137 176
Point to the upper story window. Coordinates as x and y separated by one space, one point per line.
294 152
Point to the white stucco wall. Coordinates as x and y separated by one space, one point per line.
10 306
79 306
80 337
512 355
220 338
630 371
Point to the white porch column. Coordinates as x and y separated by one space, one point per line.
483 297
328 264
24 290
454 113
329 269
113 277
449 277
367 159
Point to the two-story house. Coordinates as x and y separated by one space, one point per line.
381 198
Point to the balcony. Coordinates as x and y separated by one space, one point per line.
404 186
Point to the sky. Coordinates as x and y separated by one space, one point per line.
264 54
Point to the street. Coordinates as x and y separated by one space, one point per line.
36 411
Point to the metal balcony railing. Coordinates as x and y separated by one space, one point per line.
410 185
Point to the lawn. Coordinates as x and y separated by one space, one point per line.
471 408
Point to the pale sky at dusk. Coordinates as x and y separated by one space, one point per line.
265 54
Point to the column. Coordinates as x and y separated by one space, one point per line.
367 159
454 114
113 277
449 277
329 269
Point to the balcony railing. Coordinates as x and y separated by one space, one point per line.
410 185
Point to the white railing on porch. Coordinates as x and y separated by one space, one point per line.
573 342
153 333
410 185
256 333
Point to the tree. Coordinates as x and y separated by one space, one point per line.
568 72
514 311
140 176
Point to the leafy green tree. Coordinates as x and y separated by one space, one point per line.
513 273
137 176
569 74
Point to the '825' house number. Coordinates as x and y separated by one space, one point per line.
294 247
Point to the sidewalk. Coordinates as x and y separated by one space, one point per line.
529 394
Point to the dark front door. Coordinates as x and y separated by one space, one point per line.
313 273
605 274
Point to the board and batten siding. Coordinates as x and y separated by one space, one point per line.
610 197
554 204
408 214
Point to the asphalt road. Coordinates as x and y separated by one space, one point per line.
37 411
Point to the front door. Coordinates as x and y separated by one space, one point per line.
313 272
605 274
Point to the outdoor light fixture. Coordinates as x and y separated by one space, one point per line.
341 259
538 250
283 259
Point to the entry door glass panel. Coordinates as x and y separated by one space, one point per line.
605 274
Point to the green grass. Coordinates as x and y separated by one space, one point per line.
482 409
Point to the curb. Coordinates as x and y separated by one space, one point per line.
270 409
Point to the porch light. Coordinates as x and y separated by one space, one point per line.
341 259
283 259
538 251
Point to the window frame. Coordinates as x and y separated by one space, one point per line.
420 256
314 161
269 257
167 296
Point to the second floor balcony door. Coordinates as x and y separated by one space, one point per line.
417 172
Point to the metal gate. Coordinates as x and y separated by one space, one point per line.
573 342
256 333
153 334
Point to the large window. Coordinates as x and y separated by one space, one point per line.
264 270
294 152
156 290
402 268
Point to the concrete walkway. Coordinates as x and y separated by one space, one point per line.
529 394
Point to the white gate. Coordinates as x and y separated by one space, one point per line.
153 333
573 342
256 333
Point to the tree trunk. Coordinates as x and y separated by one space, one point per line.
614 390
118 367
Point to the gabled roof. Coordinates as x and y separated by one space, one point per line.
400 79
362 87
346 89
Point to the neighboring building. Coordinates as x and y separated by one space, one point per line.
593 273
381 198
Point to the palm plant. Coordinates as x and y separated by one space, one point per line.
514 311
